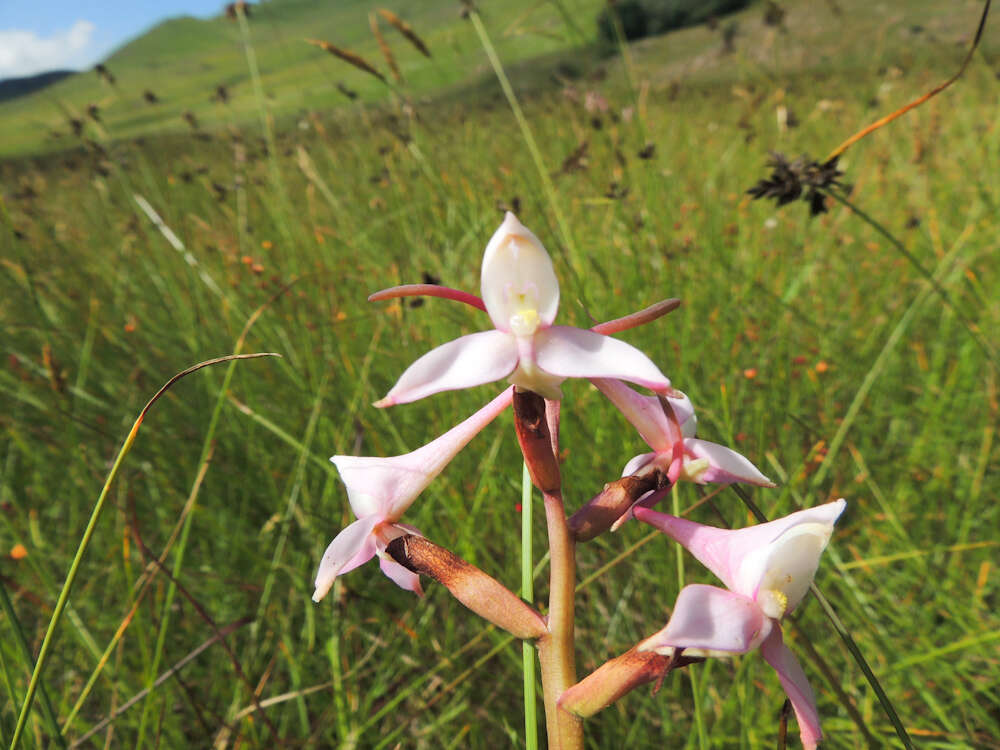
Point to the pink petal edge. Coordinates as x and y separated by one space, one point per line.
467 361
577 353
388 486
402 577
353 546
713 619
726 466
644 412
724 551
796 685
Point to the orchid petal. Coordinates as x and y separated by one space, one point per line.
402 577
388 486
685 414
353 546
646 413
527 376
467 361
711 619
638 463
518 276
741 557
725 465
778 573
704 542
796 686
398 574
575 353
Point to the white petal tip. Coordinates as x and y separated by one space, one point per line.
654 645
384 402
317 597
510 221
622 519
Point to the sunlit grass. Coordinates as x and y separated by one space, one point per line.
785 322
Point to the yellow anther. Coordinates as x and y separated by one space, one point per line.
694 470
773 602
524 322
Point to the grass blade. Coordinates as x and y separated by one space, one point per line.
89 532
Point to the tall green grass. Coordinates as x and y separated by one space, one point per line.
790 329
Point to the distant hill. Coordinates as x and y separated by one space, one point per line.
11 88
186 70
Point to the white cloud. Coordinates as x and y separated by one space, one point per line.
24 53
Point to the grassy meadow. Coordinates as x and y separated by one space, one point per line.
812 345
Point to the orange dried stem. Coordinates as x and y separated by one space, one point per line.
919 100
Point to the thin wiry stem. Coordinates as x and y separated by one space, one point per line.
923 271
50 715
529 139
88 533
219 635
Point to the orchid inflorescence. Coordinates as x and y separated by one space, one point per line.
767 569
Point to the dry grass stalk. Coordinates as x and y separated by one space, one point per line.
384 48
405 29
349 57
920 99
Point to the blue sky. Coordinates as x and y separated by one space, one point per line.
51 34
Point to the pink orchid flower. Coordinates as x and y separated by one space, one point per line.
767 570
520 293
381 489
676 450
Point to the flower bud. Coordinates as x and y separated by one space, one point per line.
481 593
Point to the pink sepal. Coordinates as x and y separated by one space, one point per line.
712 619
578 353
796 686
467 361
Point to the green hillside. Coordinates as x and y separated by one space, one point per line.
183 61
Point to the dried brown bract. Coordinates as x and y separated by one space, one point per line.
774 15
233 10
575 161
616 191
384 48
347 56
405 29
803 178
104 73
348 92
